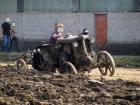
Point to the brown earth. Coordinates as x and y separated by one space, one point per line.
130 74
32 87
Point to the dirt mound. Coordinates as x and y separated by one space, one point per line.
32 87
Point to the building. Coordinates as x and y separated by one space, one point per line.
115 24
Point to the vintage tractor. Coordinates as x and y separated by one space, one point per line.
72 54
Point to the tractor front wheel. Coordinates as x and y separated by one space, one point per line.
106 63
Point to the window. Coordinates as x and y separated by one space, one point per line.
49 5
106 5
8 6
69 5
136 5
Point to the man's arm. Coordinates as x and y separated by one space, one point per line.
1 30
1 33
57 35
2 25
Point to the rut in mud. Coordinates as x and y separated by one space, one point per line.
32 87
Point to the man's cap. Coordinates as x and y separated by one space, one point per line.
59 25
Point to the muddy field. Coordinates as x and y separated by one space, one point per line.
31 87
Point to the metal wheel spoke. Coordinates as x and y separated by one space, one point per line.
104 70
107 62
102 58
109 69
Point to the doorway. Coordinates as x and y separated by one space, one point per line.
101 30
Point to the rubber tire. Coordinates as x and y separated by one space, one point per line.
36 61
111 61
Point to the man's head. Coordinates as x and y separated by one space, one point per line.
59 27
7 19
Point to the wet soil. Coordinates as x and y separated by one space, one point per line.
32 87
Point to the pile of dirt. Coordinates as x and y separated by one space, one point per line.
32 87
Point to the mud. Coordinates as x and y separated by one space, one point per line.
32 87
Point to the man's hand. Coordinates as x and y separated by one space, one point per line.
57 35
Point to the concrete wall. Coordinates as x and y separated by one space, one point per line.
17 17
39 26
124 28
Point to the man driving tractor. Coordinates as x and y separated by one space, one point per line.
59 29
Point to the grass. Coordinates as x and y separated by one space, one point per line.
120 60
127 61
9 57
